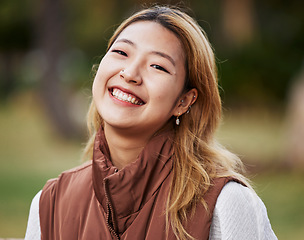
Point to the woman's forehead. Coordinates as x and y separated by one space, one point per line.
151 34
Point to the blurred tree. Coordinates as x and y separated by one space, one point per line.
260 72
50 30
15 39
238 22
295 124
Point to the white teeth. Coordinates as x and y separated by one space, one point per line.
125 97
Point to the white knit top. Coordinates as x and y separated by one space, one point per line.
239 214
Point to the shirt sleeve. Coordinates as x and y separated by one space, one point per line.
33 225
240 214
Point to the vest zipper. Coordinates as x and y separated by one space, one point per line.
110 212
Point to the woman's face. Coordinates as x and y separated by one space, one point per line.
140 79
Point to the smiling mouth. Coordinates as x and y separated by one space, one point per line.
126 97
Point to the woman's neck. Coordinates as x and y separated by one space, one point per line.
124 147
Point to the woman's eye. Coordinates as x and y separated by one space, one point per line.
120 52
159 68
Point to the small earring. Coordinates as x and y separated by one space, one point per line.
189 108
177 121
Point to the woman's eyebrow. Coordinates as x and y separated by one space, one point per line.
164 55
126 41
161 54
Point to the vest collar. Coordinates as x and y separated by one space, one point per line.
130 188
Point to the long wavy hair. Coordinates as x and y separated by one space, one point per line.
198 157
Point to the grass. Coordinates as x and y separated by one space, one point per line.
283 194
257 136
30 153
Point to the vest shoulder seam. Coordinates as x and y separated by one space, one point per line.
78 168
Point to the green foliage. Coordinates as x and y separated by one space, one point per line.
261 71
253 73
15 25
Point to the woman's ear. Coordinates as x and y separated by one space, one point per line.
185 102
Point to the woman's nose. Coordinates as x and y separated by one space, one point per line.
131 75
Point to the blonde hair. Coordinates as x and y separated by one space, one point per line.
198 157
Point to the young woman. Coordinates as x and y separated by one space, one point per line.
156 170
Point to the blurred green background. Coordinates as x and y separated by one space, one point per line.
47 50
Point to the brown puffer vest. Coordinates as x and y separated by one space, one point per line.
95 201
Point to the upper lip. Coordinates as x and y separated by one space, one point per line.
128 91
